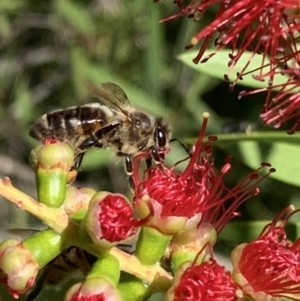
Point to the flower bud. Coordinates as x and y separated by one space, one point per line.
107 266
109 220
52 162
77 201
151 245
186 245
21 261
168 224
18 266
100 283
95 288
134 289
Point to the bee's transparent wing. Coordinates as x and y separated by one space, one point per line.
111 95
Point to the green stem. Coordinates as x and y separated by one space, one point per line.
155 276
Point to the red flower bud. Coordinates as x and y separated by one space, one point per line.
109 219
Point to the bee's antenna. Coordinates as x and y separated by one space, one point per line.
188 151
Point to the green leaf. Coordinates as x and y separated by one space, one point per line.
239 232
277 148
84 71
217 66
22 104
10 6
77 15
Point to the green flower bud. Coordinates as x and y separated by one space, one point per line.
107 266
186 245
77 201
134 289
151 245
52 163
168 224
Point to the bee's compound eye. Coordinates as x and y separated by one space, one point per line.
161 137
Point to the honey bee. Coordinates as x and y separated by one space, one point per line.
110 123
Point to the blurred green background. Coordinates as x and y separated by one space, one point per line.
49 50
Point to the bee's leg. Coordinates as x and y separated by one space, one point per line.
188 151
89 142
129 170
158 158
86 144
98 135
149 162
74 168
77 161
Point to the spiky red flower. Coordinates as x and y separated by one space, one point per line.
207 281
198 190
269 27
270 265
116 218
265 28
284 106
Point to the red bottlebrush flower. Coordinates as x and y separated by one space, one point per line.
197 191
109 219
94 289
269 27
269 267
207 281
284 106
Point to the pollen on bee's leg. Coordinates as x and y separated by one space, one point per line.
72 176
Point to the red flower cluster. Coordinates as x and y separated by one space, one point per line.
269 266
199 189
205 281
268 28
208 282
